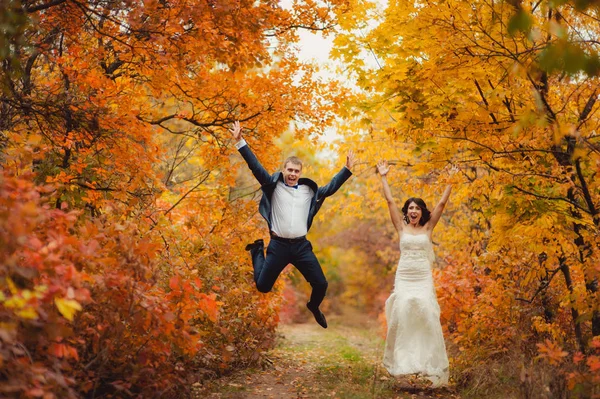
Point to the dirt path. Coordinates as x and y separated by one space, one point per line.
309 362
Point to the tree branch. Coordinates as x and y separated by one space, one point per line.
586 194
207 173
487 105
551 198
542 287
41 7
588 107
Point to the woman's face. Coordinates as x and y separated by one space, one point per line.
414 213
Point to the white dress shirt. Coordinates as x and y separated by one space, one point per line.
240 144
289 213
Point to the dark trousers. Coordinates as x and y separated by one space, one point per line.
282 252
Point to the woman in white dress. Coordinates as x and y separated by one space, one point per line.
414 342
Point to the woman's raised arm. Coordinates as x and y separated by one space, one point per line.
436 214
383 169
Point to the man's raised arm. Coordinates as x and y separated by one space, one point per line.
340 178
254 164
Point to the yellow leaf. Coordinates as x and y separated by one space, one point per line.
11 286
67 307
27 313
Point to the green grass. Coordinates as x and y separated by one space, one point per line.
350 354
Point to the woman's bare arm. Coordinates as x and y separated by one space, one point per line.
383 169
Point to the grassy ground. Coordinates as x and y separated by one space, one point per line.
343 361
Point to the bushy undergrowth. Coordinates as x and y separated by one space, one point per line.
100 307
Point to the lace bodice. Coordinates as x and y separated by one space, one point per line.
416 247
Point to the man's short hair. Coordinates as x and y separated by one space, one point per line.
294 160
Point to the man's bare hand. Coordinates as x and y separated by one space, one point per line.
236 131
350 160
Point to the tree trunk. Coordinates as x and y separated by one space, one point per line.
564 268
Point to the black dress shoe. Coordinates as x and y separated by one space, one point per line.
319 316
256 244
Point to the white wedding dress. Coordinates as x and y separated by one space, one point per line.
414 342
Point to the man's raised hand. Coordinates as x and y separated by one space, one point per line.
236 131
350 160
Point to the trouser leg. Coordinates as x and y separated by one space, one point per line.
308 264
267 270
258 260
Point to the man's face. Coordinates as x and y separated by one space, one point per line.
291 173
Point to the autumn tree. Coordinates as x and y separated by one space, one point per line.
113 133
507 91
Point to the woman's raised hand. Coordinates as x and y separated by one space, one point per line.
449 174
383 168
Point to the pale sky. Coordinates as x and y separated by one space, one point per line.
313 47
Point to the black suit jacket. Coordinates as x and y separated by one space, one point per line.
268 183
